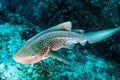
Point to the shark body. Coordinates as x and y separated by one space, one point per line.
44 44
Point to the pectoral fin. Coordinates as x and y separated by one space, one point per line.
56 55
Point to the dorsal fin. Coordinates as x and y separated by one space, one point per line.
63 26
80 31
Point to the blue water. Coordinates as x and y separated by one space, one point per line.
20 20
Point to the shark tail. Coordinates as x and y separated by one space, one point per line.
96 36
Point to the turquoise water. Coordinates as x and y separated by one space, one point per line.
19 22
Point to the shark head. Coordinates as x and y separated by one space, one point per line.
23 56
26 56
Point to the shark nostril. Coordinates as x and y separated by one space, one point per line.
15 57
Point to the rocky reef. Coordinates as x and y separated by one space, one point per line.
20 20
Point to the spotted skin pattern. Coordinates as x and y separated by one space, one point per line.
41 45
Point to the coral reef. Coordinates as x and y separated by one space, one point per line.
21 20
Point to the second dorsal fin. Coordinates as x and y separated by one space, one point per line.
80 31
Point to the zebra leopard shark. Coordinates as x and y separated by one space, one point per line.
46 43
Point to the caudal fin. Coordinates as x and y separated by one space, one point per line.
97 36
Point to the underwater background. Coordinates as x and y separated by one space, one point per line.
22 19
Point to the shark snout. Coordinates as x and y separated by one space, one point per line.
26 60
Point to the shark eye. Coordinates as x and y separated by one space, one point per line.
44 50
